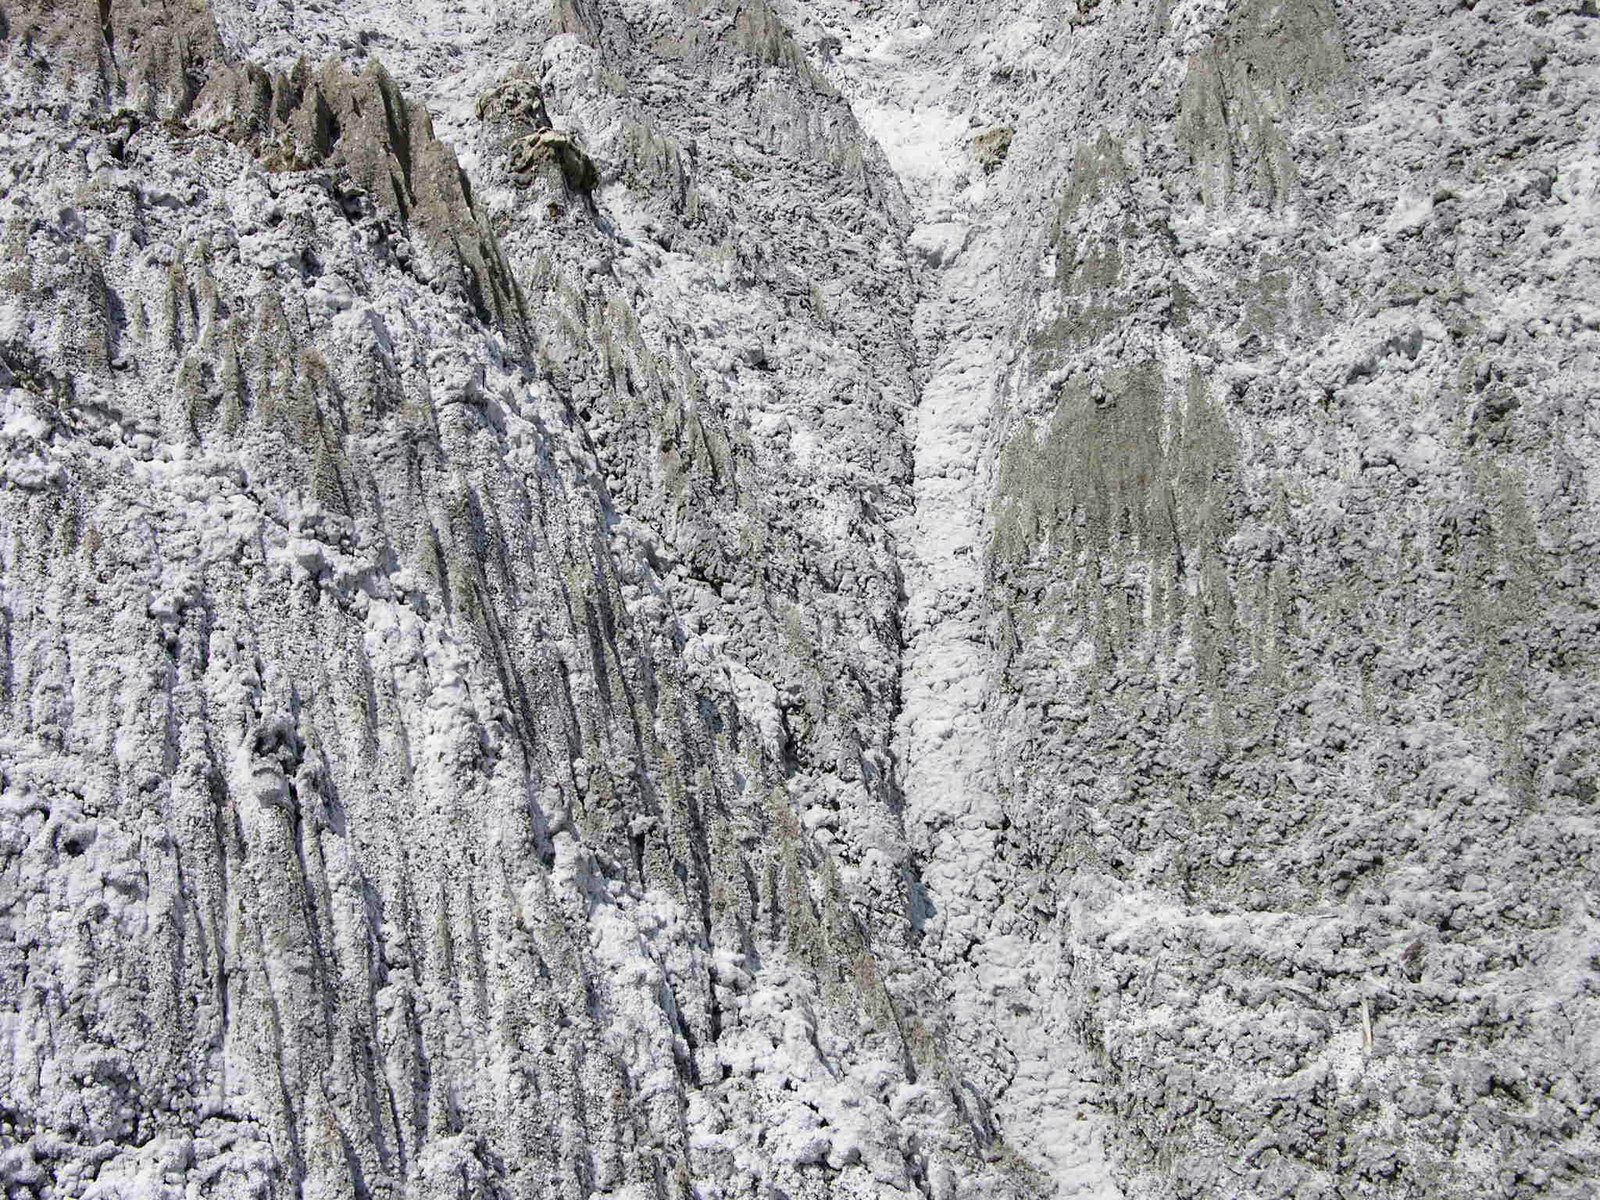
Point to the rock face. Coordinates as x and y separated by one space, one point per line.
1292 586
770 600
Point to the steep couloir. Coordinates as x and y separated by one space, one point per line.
772 600
1251 697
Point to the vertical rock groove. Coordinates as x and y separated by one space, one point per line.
773 601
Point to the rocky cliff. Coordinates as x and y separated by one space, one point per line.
769 600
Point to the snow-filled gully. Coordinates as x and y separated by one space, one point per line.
1003 988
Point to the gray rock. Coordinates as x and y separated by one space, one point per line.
798 601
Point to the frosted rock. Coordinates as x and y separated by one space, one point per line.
797 601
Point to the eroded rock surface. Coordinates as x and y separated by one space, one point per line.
760 600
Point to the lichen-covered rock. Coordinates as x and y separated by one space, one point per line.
553 148
991 147
516 102
514 110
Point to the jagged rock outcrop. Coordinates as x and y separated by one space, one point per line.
534 149
362 126
943 599
163 60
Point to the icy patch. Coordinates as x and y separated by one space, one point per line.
922 144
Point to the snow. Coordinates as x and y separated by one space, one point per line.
515 760
953 811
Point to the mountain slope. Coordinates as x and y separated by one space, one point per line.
771 600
